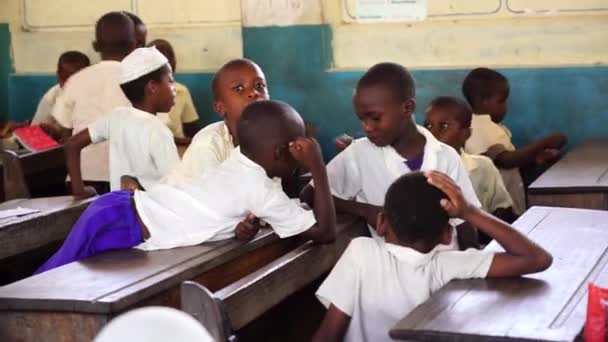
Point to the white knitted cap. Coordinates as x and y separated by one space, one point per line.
140 62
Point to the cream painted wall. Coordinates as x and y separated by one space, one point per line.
451 40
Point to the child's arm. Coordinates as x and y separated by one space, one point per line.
366 211
307 153
529 155
521 255
73 147
333 327
247 229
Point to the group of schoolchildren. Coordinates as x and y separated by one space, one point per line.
419 188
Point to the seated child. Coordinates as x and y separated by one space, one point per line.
487 91
219 204
360 175
182 119
237 84
68 64
449 119
377 283
141 31
140 144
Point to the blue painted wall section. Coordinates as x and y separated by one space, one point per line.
5 69
296 59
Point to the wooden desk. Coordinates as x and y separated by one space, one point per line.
71 303
548 306
579 180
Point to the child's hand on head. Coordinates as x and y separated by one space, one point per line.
546 155
555 141
343 141
248 228
307 152
456 205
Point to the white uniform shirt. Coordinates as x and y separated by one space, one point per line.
210 206
45 106
140 145
487 182
485 134
364 171
87 96
208 149
377 283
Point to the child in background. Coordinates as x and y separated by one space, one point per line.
360 175
141 31
235 85
95 91
217 205
182 119
377 283
487 91
449 119
68 64
141 145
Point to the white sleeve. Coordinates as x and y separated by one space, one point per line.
342 285
285 215
343 174
460 175
164 151
63 109
45 106
472 263
100 129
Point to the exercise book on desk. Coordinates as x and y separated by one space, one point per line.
34 138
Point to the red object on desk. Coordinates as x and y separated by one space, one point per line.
34 138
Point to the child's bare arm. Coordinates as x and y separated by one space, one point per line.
367 211
526 156
522 256
72 156
334 326
308 154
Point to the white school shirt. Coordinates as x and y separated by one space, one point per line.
45 106
140 145
485 134
209 207
378 283
87 96
364 171
487 182
208 149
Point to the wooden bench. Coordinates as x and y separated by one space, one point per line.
39 174
26 241
71 303
548 306
579 180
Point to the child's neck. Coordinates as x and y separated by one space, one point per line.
112 57
146 107
410 144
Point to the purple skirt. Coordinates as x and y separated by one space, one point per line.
110 222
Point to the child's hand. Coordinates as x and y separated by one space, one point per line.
456 205
343 141
87 191
546 155
307 152
555 141
130 183
248 228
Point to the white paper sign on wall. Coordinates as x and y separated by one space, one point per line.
384 10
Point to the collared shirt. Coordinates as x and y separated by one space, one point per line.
378 283
182 112
209 207
45 106
485 134
88 95
140 145
209 147
487 182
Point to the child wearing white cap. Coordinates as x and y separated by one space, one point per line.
141 146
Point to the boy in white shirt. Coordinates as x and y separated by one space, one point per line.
237 84
141 146
376 283
449 119
219 204
95 91
487 91
68 64
360 175
183 118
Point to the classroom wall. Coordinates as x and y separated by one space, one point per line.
556 61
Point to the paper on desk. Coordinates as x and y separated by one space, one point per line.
19 211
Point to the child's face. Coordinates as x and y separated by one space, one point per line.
64 71
383 117
496 105
164 92
239 86
441 121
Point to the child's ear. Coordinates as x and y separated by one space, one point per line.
467 133
381 224
446 235
409 106
218 107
